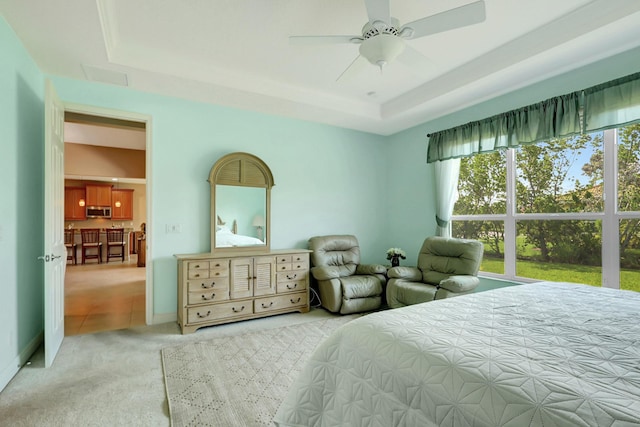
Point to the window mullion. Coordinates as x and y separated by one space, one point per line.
610 222
510 229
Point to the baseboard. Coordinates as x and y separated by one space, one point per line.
165 318
14 366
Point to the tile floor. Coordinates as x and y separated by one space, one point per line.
104 297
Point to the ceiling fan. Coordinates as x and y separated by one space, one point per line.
383 39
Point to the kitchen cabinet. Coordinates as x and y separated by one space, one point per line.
125 198
98 195
73 210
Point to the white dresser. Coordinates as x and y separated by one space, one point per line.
222 288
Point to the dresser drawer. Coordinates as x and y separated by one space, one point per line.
208 284
197 265
225 310
198 274
299 265
211 295
283 259
300 258
291 276
283 266
290 286
262 305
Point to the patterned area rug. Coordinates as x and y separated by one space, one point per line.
239 380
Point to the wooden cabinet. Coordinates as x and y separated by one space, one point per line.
74 204
215 289
124 198
98 195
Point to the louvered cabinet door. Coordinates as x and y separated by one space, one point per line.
264 281
241 283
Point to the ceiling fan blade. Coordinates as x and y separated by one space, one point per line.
418 64
462 16
320 40
378 10
354 69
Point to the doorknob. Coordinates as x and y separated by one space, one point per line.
55 257
45 258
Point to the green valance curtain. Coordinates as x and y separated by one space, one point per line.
612 104
603 106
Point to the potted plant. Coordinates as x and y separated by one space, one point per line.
394 254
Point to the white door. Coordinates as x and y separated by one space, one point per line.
55 253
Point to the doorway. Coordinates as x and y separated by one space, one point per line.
108 148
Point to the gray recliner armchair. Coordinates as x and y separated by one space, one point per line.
446 267
345 286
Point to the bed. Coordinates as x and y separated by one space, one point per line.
542 354
228 237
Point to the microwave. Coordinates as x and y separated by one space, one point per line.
98 212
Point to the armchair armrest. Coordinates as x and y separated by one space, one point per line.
370 269
325 272
460 283
412 274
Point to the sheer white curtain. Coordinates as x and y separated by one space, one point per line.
446 174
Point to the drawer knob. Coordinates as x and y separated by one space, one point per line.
204 297
295 285
197 275
290 277
204 285
197 266
202 316
235 310
267 306
294 302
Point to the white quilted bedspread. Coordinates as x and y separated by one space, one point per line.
543 354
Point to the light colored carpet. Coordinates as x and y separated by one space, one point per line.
239 380
112 378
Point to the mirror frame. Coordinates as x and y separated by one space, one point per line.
241 170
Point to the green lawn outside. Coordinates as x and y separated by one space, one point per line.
629 279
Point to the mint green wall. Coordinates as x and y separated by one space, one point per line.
21 210
327 180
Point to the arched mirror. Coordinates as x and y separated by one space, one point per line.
240 203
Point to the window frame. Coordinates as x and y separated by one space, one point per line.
610 217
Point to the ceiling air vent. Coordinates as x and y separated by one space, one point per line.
105 76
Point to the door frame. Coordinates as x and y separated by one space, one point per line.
142 118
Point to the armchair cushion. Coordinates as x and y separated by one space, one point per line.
361 286
371 269
441 257
326 272
460 283
412 274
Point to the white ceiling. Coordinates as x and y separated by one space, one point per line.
237 52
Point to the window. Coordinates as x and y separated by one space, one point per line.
543 209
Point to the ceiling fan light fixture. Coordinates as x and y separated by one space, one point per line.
381 49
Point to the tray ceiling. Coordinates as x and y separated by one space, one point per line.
237 53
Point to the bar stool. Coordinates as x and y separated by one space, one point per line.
90 241
115 239
70 244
